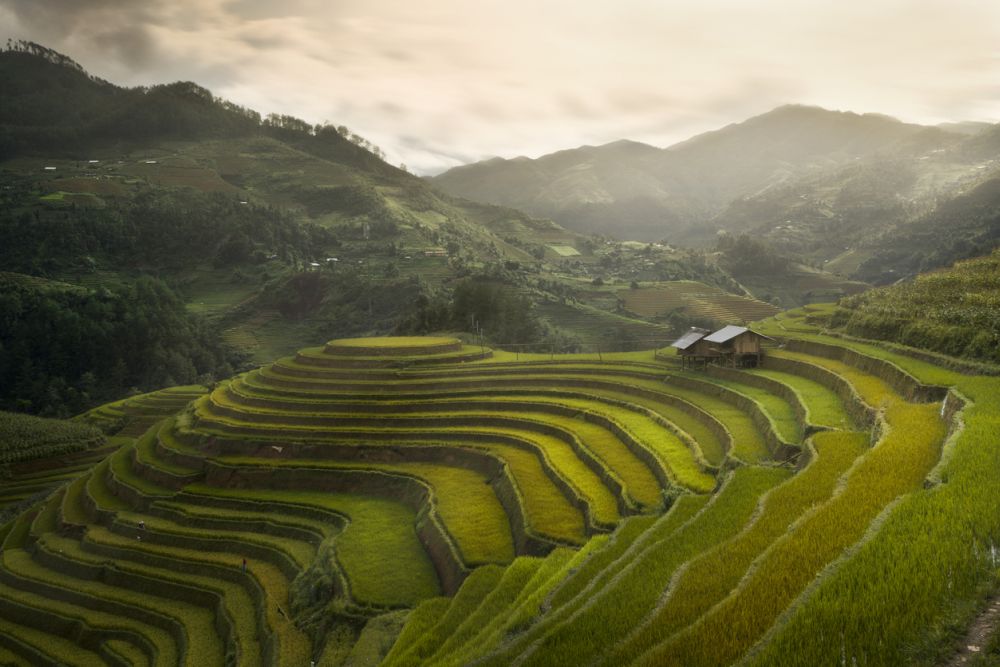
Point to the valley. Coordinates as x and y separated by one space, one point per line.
267 399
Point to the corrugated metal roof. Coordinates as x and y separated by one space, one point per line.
689 339
726 333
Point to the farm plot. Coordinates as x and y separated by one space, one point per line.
696 300
618 511
713 603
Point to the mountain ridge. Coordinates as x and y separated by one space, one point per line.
675 193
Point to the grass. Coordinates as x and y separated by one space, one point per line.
520 613
242 606
611 611
824 406
555 453
49 645
127 652
432 636
639 480
393 342
516 579
99 491
376 639
466 503
871 389
378 550
856 557
707 579
234 599
780 413
610 550
316 357
423 620
747 442
647 392
696 299
922 578
197 623
896 466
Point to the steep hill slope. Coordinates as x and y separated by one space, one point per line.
899 212
633 190
954 311
278 232
103 184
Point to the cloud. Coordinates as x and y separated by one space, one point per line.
511 77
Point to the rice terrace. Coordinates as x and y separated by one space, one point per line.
420 501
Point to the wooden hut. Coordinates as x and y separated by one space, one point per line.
692 348
737 346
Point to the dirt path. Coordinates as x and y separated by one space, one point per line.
985 625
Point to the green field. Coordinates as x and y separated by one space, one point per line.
532 509
695 300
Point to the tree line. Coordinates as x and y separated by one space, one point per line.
52 105
64 349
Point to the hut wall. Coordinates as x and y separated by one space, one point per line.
746 344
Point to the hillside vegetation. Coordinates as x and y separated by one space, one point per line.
954 311
602 507
271 234
24 437
64 348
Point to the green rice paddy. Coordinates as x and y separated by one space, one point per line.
529 509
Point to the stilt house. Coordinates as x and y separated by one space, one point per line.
730 345
692 348
738 346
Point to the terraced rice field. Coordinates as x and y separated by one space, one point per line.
594 325
697 300
715 582
527 509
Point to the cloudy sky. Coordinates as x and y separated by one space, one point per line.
438 83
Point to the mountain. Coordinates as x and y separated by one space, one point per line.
275 232
266 234
632 190
928 202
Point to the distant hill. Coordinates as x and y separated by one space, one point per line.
632 190
272 234
278 232
864 196
885 216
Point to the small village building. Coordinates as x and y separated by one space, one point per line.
691 347
730 345
738 346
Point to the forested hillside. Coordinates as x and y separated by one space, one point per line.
64 348
250 235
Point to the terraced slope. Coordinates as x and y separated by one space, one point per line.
351 480
133 416
29 479
537 510
696 300
749 574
